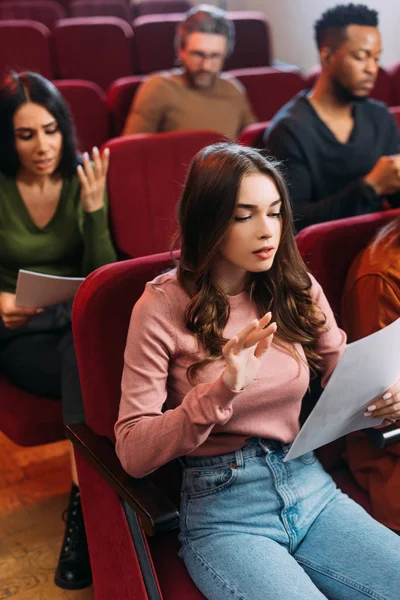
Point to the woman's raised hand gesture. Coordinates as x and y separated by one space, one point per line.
93 179
244 352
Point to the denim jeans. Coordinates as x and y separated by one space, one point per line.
256 528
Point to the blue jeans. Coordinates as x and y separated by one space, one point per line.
256 528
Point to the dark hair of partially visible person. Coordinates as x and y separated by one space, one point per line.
388 237
19 88
205 19
205 213
330 29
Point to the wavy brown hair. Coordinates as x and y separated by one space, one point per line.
205 213
388 237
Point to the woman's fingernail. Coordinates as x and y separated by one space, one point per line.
387 395
107 151
371 407
367 414
95 150
86 155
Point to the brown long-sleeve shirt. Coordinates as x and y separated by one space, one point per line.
166 102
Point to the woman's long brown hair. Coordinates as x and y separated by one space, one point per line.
205 213
387 238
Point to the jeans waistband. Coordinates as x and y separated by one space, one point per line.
254 447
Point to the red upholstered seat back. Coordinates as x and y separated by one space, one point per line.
252 41
329 249
394 73
119 99
31 55
252 134
145 180
47 12
102 8
383 90
269 89
154 39
88 105
395 110
153 7
98 49
101 314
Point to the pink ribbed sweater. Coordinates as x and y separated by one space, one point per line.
209 418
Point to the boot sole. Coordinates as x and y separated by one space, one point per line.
78 585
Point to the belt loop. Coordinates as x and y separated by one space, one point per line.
238 461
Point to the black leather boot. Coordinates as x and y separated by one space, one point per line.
73 570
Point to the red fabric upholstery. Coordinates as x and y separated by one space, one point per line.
252 134
29 420
101 8
153 7
32 55
145 180
394 73
115 568
268 89
158 56
383 90
98 49
250 26
119 99
395 110
47 12
329 249
88 105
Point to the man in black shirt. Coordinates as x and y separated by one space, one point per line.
340 149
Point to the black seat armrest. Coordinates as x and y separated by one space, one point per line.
386 436
156 512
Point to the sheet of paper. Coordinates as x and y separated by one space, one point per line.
38 290
365 371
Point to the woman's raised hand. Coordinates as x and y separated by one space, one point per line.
244 352
387 407
93 179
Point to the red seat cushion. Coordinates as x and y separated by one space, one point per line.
29 420
250 25
119 99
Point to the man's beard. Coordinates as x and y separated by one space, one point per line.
194 79
344 95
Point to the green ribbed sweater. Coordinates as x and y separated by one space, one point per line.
72 244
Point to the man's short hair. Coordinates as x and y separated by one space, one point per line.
205 19
330 29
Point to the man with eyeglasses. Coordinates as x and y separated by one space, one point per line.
195 96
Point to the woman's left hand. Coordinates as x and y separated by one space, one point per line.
93 179
387 407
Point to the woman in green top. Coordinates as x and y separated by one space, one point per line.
53 219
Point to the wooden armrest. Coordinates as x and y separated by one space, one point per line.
386 436
156 512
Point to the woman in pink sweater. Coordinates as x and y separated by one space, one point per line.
218 358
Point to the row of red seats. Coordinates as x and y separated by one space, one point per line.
49 12
99 116
102 49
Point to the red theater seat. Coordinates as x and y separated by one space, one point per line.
394 73
47 12
31 55
145 180
88 105
102 8
252 135
395 110
153 7
27 419
119 99
154 38
268 89
252 41
383 90
98 49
